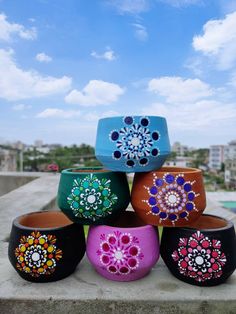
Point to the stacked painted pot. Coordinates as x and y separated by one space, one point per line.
124 245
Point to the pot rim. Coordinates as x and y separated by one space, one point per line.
17 224
85 170
139 228
229 224
175 170
133 116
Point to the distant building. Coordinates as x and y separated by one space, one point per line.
18 145
45 149
8 160
216 157
230 150
230 164
180 149
38 143
180 162
230 172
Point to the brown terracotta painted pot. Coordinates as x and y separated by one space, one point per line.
170 196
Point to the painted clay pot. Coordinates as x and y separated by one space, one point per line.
132 144
203 255
170 196
124 251
45 246
92 195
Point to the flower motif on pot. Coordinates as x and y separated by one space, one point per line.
199 257
171 197
91 198
37 254
120 253
135 142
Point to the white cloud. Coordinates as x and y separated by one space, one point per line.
177 89
219 41
108 55
206 114
95 93
16 83
140 31
7 30
182 3
58 113
21 107
95 116
233 80
129 6
43 57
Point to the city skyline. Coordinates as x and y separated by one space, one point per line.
64 65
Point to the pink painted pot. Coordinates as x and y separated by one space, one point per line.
124 251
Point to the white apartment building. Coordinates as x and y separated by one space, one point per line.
230 150
179 149
8 160
216 156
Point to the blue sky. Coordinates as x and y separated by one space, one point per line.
65 64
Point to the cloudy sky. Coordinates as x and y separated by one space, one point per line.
65 64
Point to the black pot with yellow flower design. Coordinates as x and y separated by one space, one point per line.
45 246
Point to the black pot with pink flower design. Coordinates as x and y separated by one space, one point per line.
202 254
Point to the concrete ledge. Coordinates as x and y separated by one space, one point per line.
87 292
39 194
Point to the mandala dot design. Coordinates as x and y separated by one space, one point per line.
135 142
199 258
120 253
171 197
37 254
91 198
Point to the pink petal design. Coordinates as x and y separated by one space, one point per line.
120 253
175 256
183 241
199 257
198 235
216 244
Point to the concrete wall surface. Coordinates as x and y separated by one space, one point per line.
87 292
11 181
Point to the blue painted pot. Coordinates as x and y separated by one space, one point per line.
132 143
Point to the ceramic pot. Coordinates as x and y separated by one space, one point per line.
132 144
124 251
170 196
92 195
45 246
203 255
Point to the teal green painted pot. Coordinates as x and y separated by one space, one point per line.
92 196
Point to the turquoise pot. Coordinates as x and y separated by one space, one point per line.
132 144
92 195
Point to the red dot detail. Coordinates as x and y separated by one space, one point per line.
183 264
112 269
105 247
124 270
105 259
193 243
205 244
183 251
112 240
215 267
132 262
214 254
125 239
133 251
